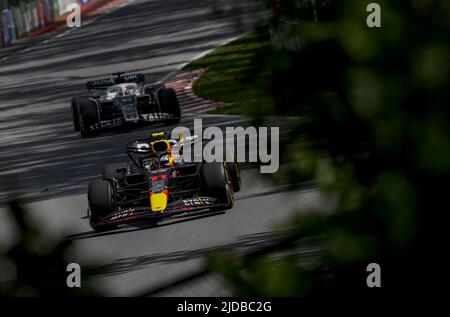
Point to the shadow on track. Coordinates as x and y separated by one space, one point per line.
125 265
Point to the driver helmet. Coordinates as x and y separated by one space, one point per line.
166 160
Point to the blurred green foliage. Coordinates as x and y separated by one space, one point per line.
229 67
375 134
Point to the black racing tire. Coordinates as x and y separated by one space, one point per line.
216 184
74 105
101 199
168 103
235 175
110 170
88 116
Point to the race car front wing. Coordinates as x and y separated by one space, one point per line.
173 208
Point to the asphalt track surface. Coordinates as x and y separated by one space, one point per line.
42 157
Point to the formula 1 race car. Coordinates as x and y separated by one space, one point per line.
158 184
123 99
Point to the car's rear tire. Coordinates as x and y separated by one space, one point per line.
88 116
216 184
101 199
110 170
168 103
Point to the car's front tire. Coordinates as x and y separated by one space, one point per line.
88 116
102 201
216 184
168 103
76 112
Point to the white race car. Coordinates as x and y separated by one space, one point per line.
123 100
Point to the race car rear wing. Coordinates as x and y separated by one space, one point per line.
119 79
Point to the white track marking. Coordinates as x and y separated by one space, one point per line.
200 55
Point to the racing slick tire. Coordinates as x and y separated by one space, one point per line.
88 116
101 199
75 105
110 170
215 180
168 103
235 175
